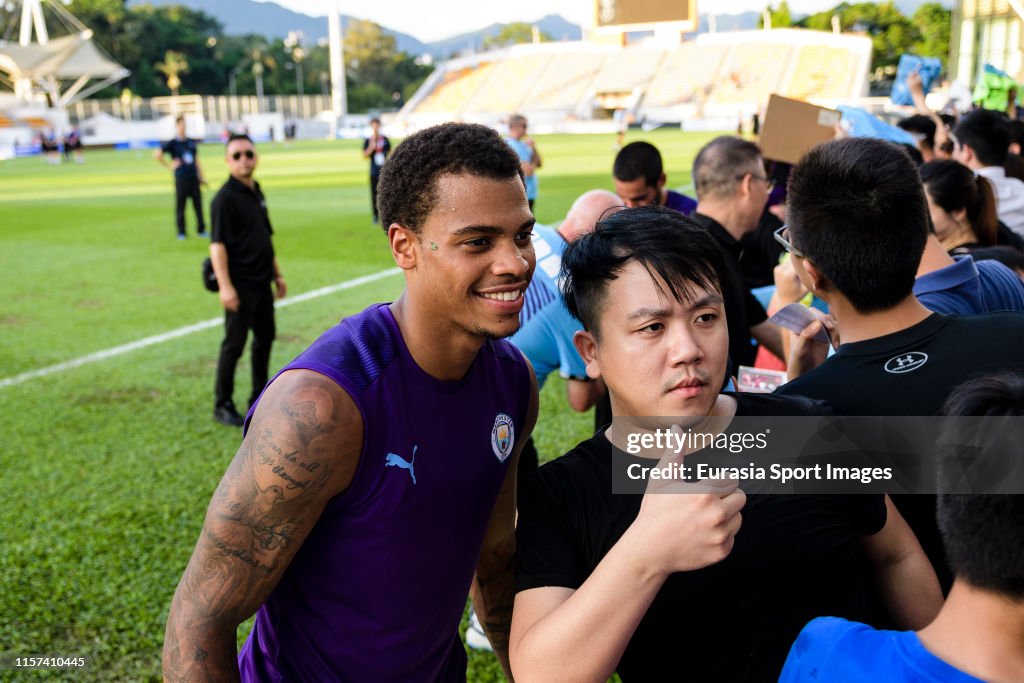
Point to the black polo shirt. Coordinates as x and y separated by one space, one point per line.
241 223
742 309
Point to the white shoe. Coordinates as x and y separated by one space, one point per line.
475 636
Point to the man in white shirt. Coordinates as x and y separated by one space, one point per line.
981 142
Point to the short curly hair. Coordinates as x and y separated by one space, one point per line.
407 191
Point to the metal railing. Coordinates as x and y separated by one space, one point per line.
219 108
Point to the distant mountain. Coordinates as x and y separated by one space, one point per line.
553 25
730 22
272 20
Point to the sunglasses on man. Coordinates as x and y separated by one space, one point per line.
249 154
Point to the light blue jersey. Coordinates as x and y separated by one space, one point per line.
545 326
525 153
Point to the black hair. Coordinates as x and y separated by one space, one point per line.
638 160
946 146
923 127
668 244
953 186
1014 166
722 163
913 152
374 119
1008 256
407 191
1016 131
857 210
984 534
239 136
986 132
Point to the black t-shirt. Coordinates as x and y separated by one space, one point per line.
795 558
760 252
186 151
241 223
911 373
379 155
742 309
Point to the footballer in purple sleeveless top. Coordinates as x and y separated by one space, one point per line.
374 487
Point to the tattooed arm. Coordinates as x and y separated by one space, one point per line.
493 589
302 448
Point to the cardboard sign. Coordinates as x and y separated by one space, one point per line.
792 127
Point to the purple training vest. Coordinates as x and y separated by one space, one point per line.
378 588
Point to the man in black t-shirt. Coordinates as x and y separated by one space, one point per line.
732 192
858 222
243 260
671 587
188 176
376 148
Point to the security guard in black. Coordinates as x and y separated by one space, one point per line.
241 223
243 259
188 177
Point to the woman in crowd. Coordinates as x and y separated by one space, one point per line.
962 206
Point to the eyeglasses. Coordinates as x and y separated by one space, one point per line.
765 179
249 154
781 236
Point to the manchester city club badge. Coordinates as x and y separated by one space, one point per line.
503 437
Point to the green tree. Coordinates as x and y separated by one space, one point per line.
140 36
891 33
369 53
172 67
781 17
513 34
107 19
375 70
155 30
933 23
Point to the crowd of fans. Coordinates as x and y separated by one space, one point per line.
901 252
366 486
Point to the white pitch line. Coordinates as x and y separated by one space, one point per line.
182 331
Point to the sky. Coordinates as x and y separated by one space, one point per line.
451 17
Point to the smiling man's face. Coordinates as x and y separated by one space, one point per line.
475 255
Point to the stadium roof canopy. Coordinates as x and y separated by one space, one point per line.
70 57
62 67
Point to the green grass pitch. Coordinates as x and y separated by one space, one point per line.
109 466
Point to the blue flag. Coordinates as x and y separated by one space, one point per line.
928 68
861 124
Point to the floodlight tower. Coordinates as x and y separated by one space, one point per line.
339 100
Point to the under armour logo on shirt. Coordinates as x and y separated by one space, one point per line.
907 362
